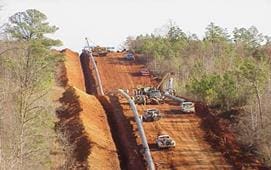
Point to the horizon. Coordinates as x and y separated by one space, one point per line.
108 23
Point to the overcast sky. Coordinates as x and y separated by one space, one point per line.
109 22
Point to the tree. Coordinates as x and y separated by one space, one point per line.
216 34
30 64
249 37
29 25
249 41
217 38
175 33
255 76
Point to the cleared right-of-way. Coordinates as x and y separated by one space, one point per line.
192 151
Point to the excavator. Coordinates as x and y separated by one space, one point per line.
157 95
169 87
153 95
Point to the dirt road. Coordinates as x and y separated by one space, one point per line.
192 151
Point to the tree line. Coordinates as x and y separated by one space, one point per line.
226 70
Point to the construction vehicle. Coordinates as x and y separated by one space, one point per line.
165 141
129 56
140 99
144 99
148 95
169 86
187 107
99 51
151 115
153 95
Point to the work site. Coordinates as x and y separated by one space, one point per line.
135 85
152 128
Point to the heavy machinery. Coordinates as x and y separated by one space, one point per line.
169 86
153 95
151 115
130 56
187 107
148 95
165 141
97 50
140 99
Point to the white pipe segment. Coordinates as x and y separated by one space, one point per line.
100 91
178 99
147 152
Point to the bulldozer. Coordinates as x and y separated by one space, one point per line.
99 51
150 115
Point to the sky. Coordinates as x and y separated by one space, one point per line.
109 22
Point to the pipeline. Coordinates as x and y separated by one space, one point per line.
178 99
100 91
147 152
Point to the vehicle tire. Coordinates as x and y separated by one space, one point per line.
155 101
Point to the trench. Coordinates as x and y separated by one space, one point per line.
120 128
87 73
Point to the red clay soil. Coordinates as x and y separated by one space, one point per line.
222 138
121 130
192 150
103 153
74 70
87 121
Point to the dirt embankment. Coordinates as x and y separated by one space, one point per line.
74 70
121 129
219 135
82 124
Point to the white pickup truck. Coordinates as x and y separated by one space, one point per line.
188 107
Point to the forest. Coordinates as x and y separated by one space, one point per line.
229 71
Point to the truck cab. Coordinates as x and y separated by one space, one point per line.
187 107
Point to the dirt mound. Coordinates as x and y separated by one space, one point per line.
71 131
74 70
120 129
103 151
130 157
82 127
